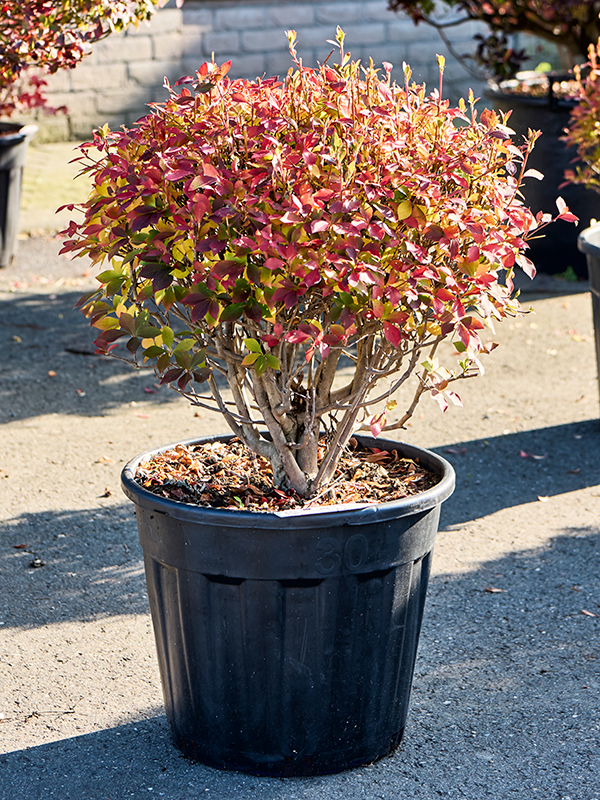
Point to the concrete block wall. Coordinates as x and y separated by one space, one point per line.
127 71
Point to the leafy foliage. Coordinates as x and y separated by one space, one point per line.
584 125
48 35
571 24
263 231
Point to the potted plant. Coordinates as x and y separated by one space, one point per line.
583 134
263 238
37 38
537 100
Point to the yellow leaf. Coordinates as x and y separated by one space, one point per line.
404 209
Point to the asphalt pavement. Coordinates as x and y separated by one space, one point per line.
507 684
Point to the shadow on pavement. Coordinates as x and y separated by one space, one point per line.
517 468
92 567
503 705
45 333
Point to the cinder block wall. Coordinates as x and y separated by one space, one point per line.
127 71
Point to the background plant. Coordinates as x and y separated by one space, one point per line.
584 125
572 25
42 36
260 232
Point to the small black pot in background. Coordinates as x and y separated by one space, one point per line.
286 642
589 243
14 140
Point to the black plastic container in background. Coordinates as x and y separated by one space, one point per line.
557 249
14 140
287 642
589 243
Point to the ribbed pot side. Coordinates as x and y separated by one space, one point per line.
287 642
13 149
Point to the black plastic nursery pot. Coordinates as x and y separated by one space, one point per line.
557 249
14 140
589 243
287 641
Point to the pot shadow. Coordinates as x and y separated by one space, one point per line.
42 334
517 468
503 704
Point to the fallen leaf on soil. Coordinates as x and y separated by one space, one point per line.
104 460
543 499
453 451
17 339
149 390
107 493
80 392
143 416
20 546
51 373
523 454
588 613
493 590
575 589
575 471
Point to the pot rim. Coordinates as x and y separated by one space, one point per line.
350 514
15 133
585 243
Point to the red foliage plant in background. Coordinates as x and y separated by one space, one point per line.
39 37
263 234
584 126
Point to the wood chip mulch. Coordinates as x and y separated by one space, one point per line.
229 475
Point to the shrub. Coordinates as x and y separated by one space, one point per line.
260 233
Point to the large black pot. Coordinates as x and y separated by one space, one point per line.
557 250
286 642
14 140
589 243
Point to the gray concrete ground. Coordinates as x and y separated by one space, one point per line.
506 693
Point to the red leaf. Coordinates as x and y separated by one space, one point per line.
377 423
392 334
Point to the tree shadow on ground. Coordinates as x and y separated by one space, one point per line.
44 334
517 468
503 705
92 566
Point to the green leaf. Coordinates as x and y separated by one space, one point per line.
260 365
106 323
460 347
148 332
233 311
183 345
253 345
183 359
168 336
153 352
273 361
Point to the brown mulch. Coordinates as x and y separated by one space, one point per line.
229 475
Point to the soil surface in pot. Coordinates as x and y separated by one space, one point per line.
229 475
